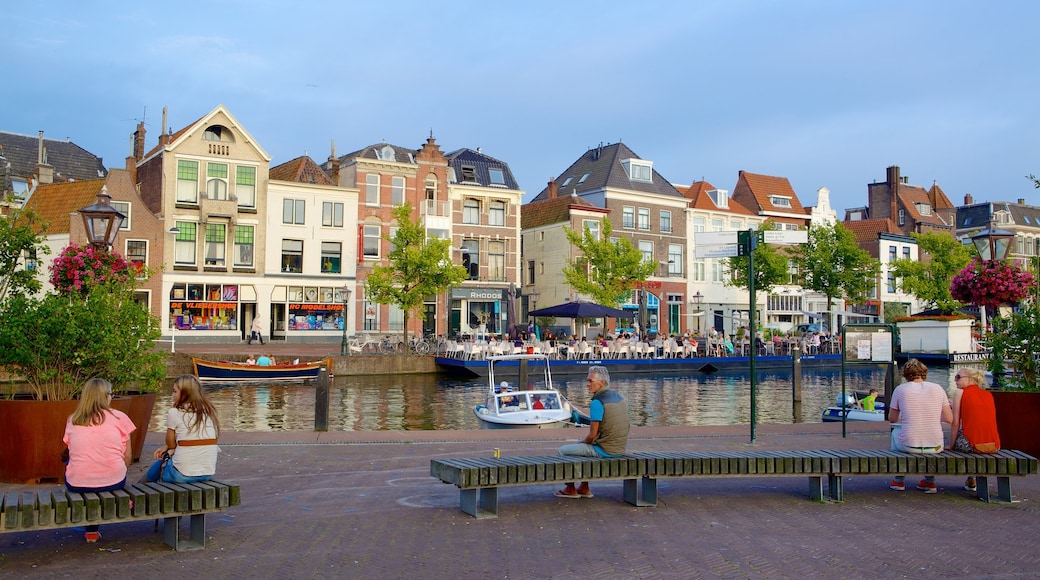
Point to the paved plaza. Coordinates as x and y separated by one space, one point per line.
362 505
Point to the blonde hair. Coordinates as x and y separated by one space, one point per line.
192 399
93 403
975 376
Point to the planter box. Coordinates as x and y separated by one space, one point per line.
1018 421
935 336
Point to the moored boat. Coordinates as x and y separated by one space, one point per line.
530 401
853 410
230 371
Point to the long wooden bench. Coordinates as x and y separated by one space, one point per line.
48 509
479 479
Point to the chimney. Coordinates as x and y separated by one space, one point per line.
968 199
44 171
164 138
1021 201
334 164
552 188
892 177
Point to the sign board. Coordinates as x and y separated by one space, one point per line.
716 251
867 343
786 237
714 238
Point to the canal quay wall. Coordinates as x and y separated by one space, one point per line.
179 363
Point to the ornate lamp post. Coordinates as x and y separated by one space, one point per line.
696 300
102 221
992 245
344 346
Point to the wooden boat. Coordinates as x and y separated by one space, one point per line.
853 410
230 371
530 401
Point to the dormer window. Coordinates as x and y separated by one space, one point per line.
780 200
639 169
386 153
924 208
469 174
217 133
720 197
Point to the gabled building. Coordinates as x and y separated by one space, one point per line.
27 162
485 202
885 242
1018 218
646 208
911 207
208 183
772 198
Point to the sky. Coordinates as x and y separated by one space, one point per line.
825 93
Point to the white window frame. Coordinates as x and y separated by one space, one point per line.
187 189
129 256
217 180
497 213
397 187
122 207
215 253
186 238
244 191
471 211
643 219
666 221
372 189
244 251
294 211
292 247
628 217
332 214
370 234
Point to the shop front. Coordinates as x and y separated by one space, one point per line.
209 307
302 313
478 312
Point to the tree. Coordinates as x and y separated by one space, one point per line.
832 264
770 267
930 281
606 269
20 245
418 267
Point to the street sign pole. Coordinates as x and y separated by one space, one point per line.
748 241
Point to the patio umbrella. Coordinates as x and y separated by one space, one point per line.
582 310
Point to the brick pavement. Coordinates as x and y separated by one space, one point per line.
363 505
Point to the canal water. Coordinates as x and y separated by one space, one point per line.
430 402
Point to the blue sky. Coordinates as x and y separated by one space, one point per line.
825 93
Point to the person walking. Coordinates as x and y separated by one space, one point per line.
608 429
917 412
257 331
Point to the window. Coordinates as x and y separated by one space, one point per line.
137 252
188 181
397 190
371 242
530 272
393 235
244 246
720 197
593 227
697 273
566 182
386 153
497 176
471 211
780 200
891 282
628 217
217 180
791 227
469 173
372 189
371 315
395 320
332 214
471 258
699 224
292 256
184 243
638 170
902 217
293 211
122 207
924 208
644 219
245 186
736 225
497 213
583 178
215 244
675 260
331 257
496 261
891 254
647 248
666 221
906 252
431 188
716 224
718 270
792 272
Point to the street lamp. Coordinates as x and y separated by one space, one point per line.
344 346
102 221
992 245
696 300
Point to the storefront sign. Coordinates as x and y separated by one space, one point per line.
485 294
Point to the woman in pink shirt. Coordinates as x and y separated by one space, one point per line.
98 438
917 411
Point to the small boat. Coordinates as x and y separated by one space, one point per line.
853 410
529 402
230 371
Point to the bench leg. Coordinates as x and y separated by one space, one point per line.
816 487
171 533
982 488
1003 489
480 503
836 487
631 495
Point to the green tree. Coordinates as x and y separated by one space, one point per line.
930 280
20 245
770 266
606 269
418 267
832 264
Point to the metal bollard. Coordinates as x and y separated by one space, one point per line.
321 401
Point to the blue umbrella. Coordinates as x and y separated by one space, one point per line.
582 310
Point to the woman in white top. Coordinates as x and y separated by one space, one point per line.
192 429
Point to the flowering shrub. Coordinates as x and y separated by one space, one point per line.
990 283
79 268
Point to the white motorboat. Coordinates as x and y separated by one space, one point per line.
853 410
521 395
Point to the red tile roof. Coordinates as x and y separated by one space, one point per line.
54 202
555 210
868 230
300 170
763 186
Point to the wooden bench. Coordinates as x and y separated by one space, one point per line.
478 479
49 509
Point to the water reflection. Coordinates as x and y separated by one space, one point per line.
427 402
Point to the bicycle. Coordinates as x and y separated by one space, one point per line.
419 345
388 345
370 345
